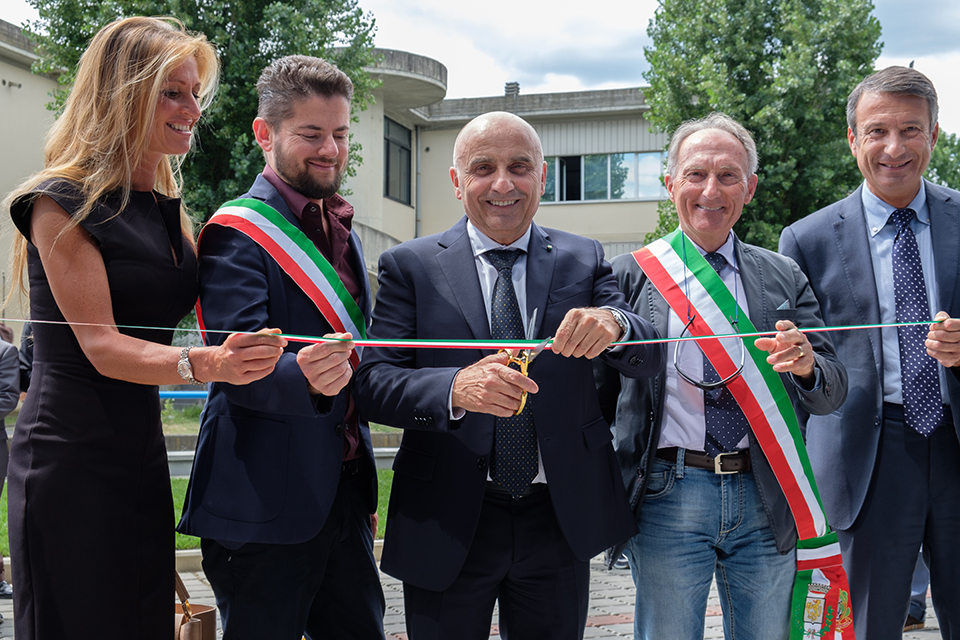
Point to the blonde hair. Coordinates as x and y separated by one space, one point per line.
106 125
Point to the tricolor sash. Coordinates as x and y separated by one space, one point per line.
690 285
299 258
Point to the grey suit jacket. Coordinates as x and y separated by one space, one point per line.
831 247
635 406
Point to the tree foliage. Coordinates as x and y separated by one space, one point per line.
248 35
944 166
783 69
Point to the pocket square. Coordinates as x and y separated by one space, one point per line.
784 305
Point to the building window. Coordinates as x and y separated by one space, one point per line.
617 176
396 152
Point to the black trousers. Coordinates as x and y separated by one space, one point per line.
913 499
327 587
520 558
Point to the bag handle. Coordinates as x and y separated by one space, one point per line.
183 595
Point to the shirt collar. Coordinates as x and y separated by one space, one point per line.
480 243
878 212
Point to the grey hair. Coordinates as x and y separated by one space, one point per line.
898 81
721 122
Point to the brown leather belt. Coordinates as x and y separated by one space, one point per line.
724 463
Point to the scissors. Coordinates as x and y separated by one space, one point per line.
524 357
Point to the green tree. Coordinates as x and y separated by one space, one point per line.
944 166
248 36
783 69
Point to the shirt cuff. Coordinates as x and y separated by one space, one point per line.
456 413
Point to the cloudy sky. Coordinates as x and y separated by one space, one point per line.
546 48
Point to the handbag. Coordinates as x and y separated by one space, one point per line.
193 621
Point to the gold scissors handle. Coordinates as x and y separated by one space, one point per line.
522 360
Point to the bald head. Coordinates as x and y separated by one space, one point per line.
499 174
499 123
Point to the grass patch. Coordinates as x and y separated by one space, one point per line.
382 428
180 421
385 481
179 487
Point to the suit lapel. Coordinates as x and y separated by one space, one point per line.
853 251
457 264
945 229
751 277
540 266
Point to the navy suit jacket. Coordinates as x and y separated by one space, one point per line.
269 454
429 288
831 247
770 282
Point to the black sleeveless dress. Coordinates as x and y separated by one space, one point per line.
90 511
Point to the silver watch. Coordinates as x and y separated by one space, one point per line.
184 368
621 320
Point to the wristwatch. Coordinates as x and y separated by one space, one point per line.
184 368
621 320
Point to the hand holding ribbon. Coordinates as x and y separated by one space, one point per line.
326 365
790 351
943 340
585 332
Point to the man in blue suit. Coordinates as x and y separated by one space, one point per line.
888 462
284 483
485 507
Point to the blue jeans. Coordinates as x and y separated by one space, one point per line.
696 524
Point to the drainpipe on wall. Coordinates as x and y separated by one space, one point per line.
416 228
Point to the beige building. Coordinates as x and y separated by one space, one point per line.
604 163
24 120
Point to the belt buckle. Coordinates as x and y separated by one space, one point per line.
718 460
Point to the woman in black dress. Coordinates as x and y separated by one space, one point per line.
109 249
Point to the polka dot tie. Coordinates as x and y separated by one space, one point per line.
725 422
922 404
514 464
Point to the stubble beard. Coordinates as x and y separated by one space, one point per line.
298 176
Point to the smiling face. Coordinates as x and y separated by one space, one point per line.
499 175
309 149
892 144
711 186
177 111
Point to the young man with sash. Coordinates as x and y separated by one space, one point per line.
709 450
283 491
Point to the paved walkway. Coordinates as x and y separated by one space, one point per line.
610 614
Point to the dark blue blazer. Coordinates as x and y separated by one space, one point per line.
831 247
269 454
429 288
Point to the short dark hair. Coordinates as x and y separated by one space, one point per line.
296 77
899 81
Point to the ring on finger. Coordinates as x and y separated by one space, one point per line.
800 349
